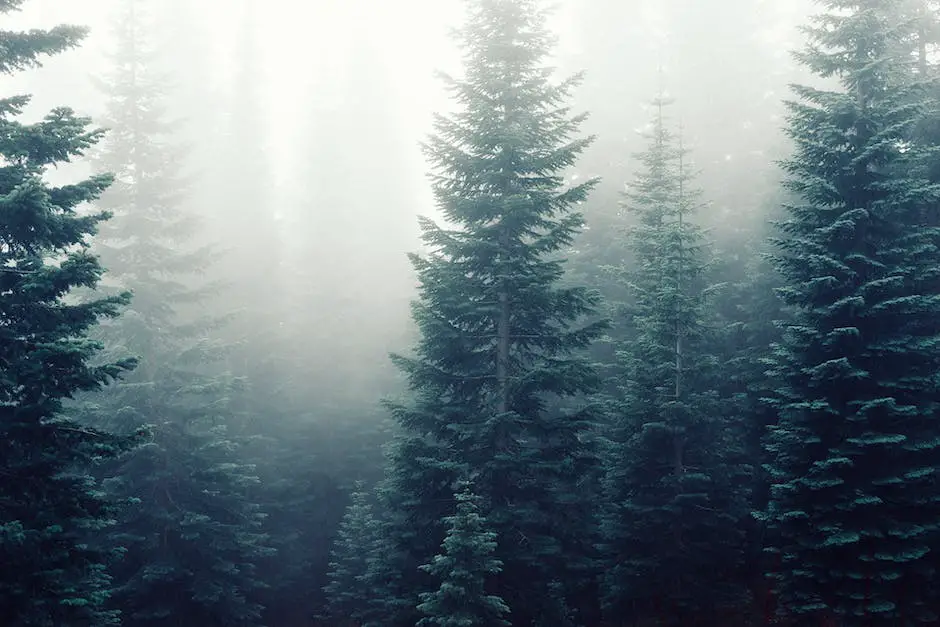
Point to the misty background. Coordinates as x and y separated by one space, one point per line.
325 104
302 123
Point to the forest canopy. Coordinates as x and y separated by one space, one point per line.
469 313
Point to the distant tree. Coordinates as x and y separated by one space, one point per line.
246 220
194 537
672 534
303 444
463 569
921 21
351 127
48 500
855 506
498 377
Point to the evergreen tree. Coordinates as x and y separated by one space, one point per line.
48 500
463 569
855 506
746 311
922 20
194 537
500 356
350 591
676 501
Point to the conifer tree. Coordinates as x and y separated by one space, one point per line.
48 500
922 24
855 504
747 313
194 537
350 590
671 534
463 569
502 340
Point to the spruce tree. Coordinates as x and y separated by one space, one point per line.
349 592
855 507
194 536
48 500
676 500
747 311
463 569
501 350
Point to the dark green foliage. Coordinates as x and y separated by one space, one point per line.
463 569
349 592
25 50
672 532
747 311
193 537
416 496
855 505
301 495
48 500
498 372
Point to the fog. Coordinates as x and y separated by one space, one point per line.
339 95
298 148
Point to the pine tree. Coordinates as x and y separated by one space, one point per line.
48 500
855 507
349 592
414 497
500 358
672 533
922 23
463 569
747 311
194 537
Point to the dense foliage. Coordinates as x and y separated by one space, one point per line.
192 537
675 493
48 499
463 570
854 454
699 390
500 337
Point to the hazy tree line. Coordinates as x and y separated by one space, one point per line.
652 381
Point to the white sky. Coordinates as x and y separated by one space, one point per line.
306 38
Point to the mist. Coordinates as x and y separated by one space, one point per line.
294 420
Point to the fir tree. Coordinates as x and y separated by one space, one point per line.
855 506
463 569
502 341
746 314
350 591
671 533
194 537
48 500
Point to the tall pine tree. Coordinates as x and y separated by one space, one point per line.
500 354
855 507
48 500
194 537
671 533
